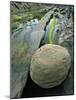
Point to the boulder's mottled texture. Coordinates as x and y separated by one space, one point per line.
50 66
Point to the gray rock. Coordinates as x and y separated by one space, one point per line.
20 61
22 47
30 36
44 19
35 39
56 33
50 66
66 38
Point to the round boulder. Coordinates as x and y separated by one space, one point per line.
50 66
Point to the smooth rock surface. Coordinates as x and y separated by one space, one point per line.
50 66
23 45
19 69
21 53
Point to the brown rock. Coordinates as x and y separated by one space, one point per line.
50 66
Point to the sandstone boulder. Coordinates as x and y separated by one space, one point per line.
50 66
